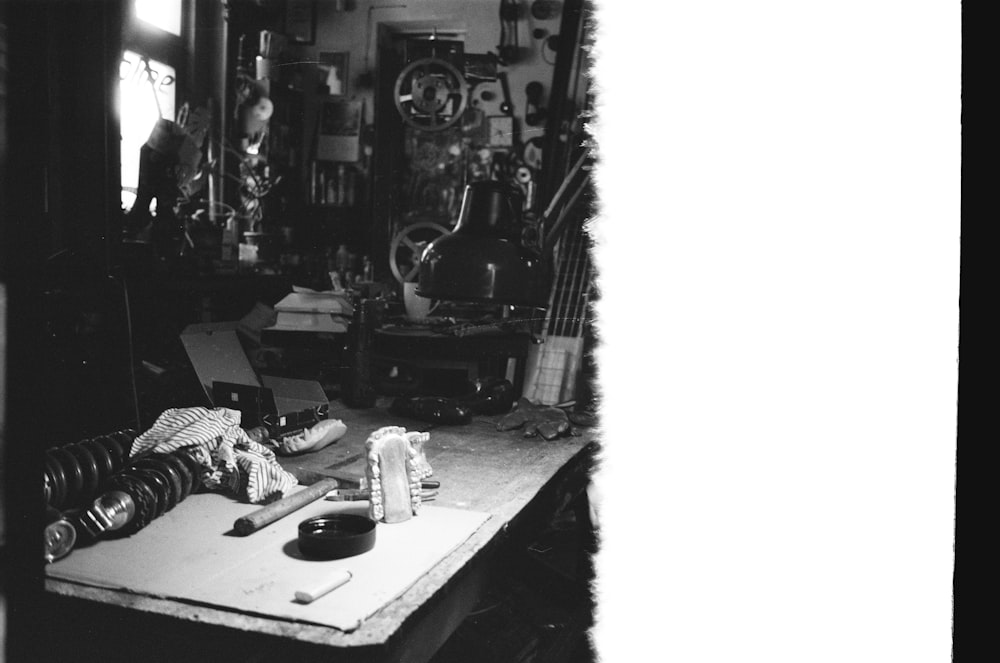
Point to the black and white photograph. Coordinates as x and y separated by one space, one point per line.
481 331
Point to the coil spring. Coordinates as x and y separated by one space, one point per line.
129 493
156 483
76 473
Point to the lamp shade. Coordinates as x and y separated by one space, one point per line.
485 258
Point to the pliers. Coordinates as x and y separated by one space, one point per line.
428 492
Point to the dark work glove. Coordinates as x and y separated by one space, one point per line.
544 420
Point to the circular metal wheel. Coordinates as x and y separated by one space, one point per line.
431 94
407 247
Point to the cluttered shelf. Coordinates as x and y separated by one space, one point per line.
493 487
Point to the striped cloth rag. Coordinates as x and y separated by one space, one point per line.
230 460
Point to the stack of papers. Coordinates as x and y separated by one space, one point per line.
313 312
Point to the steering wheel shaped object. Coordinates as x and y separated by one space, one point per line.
408 245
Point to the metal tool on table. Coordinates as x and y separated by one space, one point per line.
318 486
358 490
277 510
428 493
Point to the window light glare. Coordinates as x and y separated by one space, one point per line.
144 96
163 14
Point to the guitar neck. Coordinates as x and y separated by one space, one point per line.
553 365
571 289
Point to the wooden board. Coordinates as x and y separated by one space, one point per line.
191 554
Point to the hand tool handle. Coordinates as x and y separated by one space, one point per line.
267 515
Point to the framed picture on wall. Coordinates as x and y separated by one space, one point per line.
500 130
300 21
333 72
338 137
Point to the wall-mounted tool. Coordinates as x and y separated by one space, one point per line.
487 96
525 178
552 43
534 114
506 107
510 13
544 10
431 94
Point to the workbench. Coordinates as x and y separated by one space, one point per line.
519 481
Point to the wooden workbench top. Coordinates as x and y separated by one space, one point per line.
480 468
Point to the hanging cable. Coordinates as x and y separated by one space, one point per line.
152 85
131 348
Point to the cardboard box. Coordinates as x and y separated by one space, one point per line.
229 380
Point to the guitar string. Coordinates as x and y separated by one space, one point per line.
583 285
579 279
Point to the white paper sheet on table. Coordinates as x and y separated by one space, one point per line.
190 553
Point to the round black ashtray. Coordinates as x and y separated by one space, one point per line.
336 535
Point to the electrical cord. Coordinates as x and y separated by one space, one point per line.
131 350
152 85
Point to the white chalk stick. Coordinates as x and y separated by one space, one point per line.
325 587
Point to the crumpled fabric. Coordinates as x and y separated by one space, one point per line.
321 435
230 460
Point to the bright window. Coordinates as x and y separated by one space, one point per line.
148 93
163 14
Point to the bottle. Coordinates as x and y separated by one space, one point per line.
349 189
331 192
313 184
343 259
341 184
357 390
230 246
